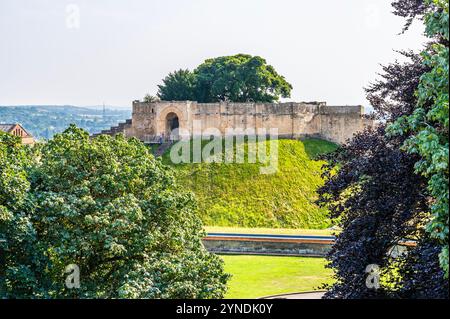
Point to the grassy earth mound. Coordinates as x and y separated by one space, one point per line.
238 195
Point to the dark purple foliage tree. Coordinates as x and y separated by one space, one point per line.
374 194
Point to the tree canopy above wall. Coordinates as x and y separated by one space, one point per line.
237 78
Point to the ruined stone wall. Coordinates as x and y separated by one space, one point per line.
293 120
339 123
267 247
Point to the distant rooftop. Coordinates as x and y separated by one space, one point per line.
7 128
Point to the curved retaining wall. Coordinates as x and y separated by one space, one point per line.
316 246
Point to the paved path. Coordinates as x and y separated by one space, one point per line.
301 295
272 238
162 148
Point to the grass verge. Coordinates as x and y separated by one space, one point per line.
260 276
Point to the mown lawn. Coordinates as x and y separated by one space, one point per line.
259 276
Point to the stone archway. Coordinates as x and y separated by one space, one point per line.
172 119
172 126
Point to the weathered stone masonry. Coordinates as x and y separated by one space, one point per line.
151 121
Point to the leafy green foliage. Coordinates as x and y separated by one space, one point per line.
429 123
178 86
238 78
150 98
375 191
108 206
237 194
13 159
15 225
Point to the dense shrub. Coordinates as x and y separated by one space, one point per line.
107 206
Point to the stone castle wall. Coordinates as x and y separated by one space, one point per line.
293 120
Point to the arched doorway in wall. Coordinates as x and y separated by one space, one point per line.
172 126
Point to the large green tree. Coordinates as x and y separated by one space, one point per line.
17 236
178 86
240 78
107 206
237 78
429 123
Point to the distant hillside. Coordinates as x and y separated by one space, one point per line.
238 195
43 121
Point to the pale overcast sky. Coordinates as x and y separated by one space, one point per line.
119 50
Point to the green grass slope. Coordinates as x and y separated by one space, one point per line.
239 195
